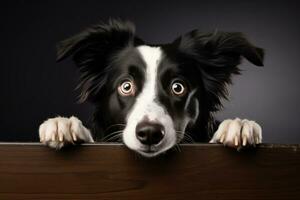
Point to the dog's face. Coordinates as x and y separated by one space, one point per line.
155 96
156 91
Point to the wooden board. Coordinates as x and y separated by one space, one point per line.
200 171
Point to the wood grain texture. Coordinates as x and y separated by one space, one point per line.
112 172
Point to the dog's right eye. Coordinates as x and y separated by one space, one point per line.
126 88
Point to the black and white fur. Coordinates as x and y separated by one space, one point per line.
174 89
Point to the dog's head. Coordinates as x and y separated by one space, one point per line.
156 91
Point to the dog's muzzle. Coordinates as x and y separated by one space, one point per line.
149 133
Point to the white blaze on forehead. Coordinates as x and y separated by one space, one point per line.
147 105
152 57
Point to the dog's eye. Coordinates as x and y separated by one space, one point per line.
126 88
178 88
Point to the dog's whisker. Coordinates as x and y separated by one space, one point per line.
115 125
179 136
177 147
120 140
107 137
179 139
188 135
111 139
187 138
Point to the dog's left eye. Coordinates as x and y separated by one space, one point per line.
126 88
178 88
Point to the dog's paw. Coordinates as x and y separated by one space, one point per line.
237 133
59 131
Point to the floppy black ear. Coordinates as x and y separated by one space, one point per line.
107 36
92 50
217 55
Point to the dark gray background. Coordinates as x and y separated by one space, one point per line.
34 87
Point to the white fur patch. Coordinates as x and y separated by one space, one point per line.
237 133
58 131
146 106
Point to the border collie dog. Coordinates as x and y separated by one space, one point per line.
154 96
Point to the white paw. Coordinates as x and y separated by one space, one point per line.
237 133
58 131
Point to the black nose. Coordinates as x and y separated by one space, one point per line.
149 133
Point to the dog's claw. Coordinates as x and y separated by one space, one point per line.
222 138
57 132
256 140
53 136
236 143
61 137
244 140
230 132
74 136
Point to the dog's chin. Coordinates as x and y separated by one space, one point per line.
149 151
152 152
148 154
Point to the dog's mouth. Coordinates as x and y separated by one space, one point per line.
152 150
148 151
